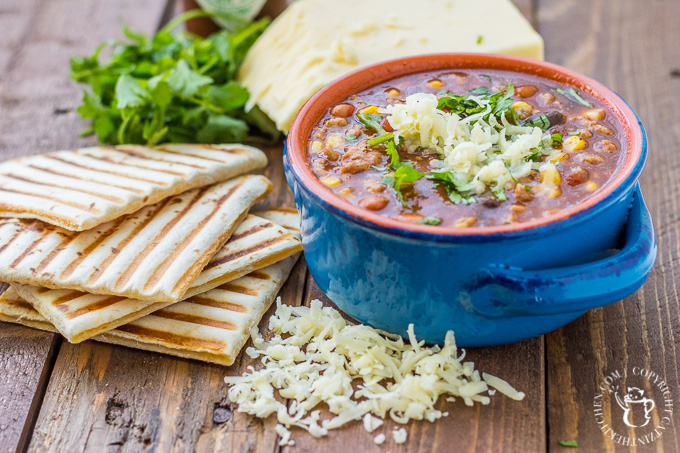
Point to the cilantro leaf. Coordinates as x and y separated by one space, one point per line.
222 129
556 140
481 90
458 191
541 121
395 161
129 92
403 174
430 221
480 100
186 82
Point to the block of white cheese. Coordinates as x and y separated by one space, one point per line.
315 41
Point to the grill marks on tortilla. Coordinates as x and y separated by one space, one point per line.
212 326
80 207
259 275
112 228
81 189
154 254
56 251
123 243
132 153
27 251
160 271
98 305
247 251
171 338
216 303
129 164
80 178
286 217
171 149
194 319
61 300
125 277
236 236
103 172
75 189
235 288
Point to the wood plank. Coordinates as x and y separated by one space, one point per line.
37 99
25 366
627 48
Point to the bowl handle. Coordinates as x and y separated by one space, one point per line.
518 292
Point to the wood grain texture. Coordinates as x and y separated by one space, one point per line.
629 47
25 366
38 101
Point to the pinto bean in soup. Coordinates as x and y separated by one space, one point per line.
466 148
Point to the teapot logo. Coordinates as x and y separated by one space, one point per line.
646 409
637 408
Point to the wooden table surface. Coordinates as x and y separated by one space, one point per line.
56 396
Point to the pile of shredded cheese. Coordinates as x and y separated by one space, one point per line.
315 356
484 154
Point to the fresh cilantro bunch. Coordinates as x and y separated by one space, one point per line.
171 88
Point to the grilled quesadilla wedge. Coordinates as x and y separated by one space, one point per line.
78 190
154 254
212 326
256 243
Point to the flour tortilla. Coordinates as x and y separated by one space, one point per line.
255 244
154 254
80 189
212 327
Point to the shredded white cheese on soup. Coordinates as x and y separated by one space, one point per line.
315 356
481 153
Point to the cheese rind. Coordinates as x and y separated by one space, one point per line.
310 44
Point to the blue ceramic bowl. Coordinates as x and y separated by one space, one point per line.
491 285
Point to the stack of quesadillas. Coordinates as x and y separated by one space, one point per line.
152 248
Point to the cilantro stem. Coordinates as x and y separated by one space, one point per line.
573 94
198 13
380 139
369 122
